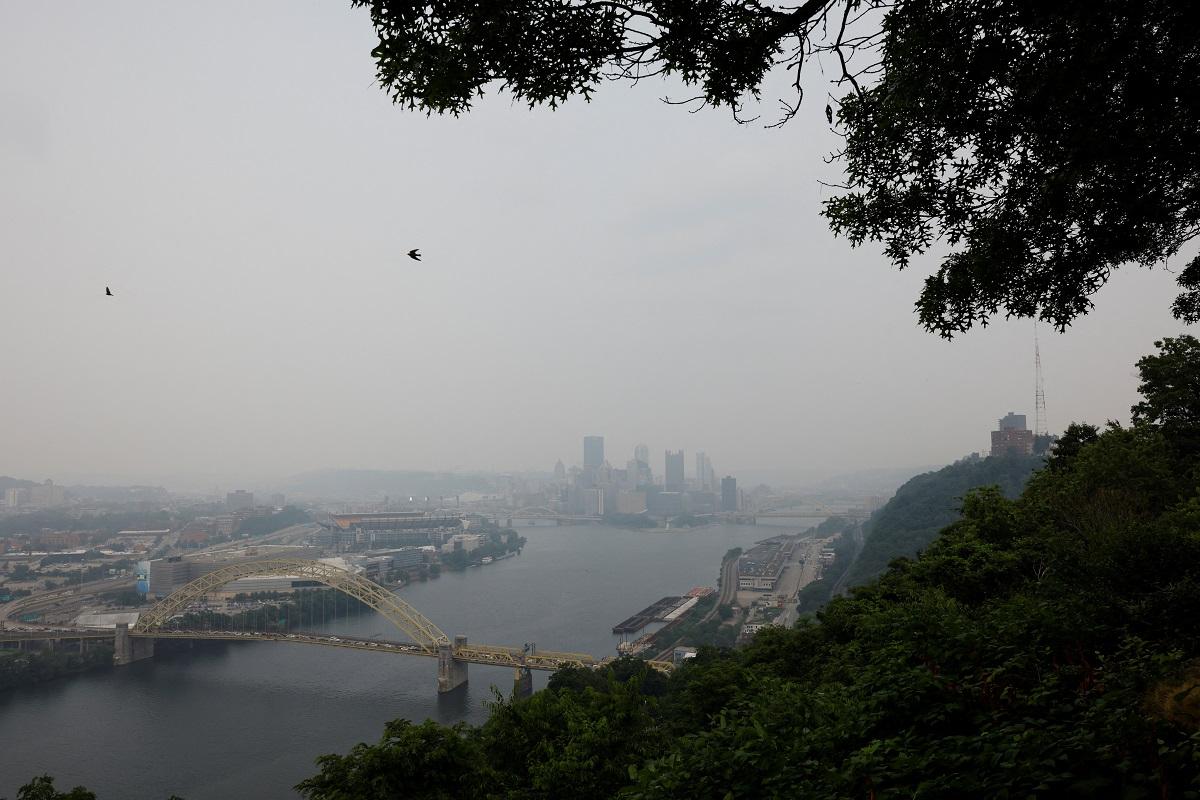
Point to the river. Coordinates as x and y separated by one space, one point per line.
246 720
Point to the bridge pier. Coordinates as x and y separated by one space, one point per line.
522 682
128 649
452 673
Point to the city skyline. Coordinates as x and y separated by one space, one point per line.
691 461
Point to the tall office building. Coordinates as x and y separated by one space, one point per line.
16 497
642 453
47 495
673 476
593 452
706 480
729 494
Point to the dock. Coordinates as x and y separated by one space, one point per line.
655 612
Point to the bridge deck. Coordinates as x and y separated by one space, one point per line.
490 655
29 636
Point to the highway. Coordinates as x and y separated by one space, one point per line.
82 594
859 541
76 595
728 587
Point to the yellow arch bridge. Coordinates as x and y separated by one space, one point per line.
424 638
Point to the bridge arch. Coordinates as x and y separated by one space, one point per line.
412 622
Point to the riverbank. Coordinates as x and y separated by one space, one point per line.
20 668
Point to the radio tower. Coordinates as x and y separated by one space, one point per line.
1039 394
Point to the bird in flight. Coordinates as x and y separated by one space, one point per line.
107 292
414 254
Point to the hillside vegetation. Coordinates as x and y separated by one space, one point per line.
926 504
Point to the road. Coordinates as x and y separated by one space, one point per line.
728 587
859 540
294 534
809 572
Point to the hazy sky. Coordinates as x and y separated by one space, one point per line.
621 268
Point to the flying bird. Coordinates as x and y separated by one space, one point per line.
414 254
107 292
829 113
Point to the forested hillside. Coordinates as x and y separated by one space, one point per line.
930 502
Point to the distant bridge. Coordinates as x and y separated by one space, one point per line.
808 513
137 643
539 513
809 509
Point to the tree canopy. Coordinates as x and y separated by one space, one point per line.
1044 144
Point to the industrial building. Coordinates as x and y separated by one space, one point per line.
371 531
760 567
165 575
467 542
382 565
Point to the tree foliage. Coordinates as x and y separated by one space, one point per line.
42 788
439 56
1045 144
1170 387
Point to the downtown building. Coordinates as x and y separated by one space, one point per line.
673 477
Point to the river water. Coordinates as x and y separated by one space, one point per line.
246 720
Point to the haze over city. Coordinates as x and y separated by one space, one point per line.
622 268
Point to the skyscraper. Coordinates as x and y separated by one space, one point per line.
593 452
638 470
673 476
729 494
705 479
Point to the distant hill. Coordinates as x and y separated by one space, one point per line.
927 503
866 481
121 494
363 484
7 483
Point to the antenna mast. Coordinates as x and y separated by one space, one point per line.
1039 394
